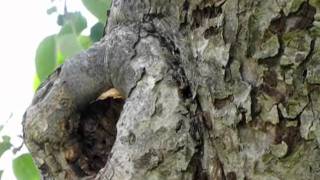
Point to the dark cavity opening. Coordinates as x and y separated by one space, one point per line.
95 135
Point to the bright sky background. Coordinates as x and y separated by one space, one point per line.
23 25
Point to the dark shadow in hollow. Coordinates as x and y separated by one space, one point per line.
95 134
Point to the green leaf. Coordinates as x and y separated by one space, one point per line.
1 172
60 57
69 42
5 144
60 19
85 41
96 32
69 45
72 23
46 57
98 8
36 82
24 168
51 10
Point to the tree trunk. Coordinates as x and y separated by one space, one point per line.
212 89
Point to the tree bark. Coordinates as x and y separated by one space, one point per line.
212 89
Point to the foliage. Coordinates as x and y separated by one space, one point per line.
4 146
24 168
46 57
97 8
55 49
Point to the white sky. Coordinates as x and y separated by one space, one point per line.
23 25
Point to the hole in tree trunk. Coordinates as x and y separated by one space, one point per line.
95 135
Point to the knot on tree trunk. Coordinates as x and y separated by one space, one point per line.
73 132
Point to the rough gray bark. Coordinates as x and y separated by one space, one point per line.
214 89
